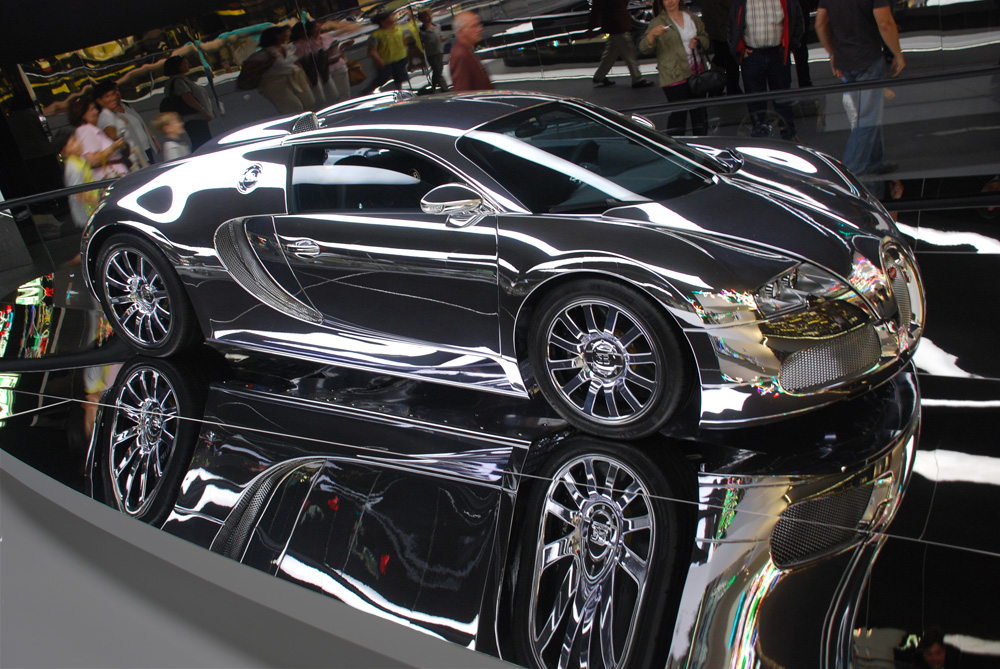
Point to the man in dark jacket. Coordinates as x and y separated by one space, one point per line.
612 17
761 36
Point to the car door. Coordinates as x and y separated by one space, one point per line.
371 261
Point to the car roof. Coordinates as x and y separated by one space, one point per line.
456 111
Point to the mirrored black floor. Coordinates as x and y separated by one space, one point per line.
407 500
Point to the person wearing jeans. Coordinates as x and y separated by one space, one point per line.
852 34
761 36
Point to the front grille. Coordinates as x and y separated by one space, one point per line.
831 361
816 527
242 264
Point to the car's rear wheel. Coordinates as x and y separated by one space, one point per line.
607 359
143 297
598 555
150 436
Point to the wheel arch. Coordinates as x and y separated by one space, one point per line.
664 295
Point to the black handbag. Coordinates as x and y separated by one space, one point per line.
175 103
707 80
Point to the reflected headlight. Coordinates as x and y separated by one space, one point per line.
796 289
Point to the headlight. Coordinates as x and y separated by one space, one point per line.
797 289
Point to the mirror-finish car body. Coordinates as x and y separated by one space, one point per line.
511 241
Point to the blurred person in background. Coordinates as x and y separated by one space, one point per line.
467 72
108 158
118 119
195 97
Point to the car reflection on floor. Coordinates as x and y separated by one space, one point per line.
433 507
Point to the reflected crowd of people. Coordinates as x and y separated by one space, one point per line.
301 65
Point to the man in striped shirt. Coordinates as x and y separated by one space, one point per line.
761 36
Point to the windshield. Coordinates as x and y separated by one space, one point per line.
559 158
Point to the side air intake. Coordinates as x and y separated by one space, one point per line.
242 263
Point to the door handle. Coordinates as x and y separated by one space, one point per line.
304 248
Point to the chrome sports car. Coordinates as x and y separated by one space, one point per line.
514 241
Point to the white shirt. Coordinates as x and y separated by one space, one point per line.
128 125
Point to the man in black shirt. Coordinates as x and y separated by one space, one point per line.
852 32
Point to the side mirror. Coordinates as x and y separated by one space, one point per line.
450 199
462 204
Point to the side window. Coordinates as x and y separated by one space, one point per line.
362 177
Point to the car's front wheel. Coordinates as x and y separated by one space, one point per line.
607 359
598 556
143 297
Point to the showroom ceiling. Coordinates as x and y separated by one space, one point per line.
45 27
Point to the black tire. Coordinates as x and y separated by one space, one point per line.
599 561
143 297
147 440
607 359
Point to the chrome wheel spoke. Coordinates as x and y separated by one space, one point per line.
589 318
590 477
557 550
611 320
563 513
130 433
634 566
637 524
611 404
629 398
639 380
629 495
576 382
606 627
564 344
126 460
564 365
609 480
629 337
571 326
563 599
581 628
591 399
641 359
570 485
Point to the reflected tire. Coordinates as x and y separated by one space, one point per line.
143 297
598 555
155 409
607 359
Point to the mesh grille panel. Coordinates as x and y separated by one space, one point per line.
809 529
902 295
831 361
241 262
305 123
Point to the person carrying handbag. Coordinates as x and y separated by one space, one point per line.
676 36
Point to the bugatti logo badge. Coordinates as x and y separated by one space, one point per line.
601 534
892 272
249 180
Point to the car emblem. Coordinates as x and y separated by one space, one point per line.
892 272
601 533
249 180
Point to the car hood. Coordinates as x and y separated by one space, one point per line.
782 197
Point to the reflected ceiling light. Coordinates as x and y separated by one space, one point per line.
955 467
932 359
